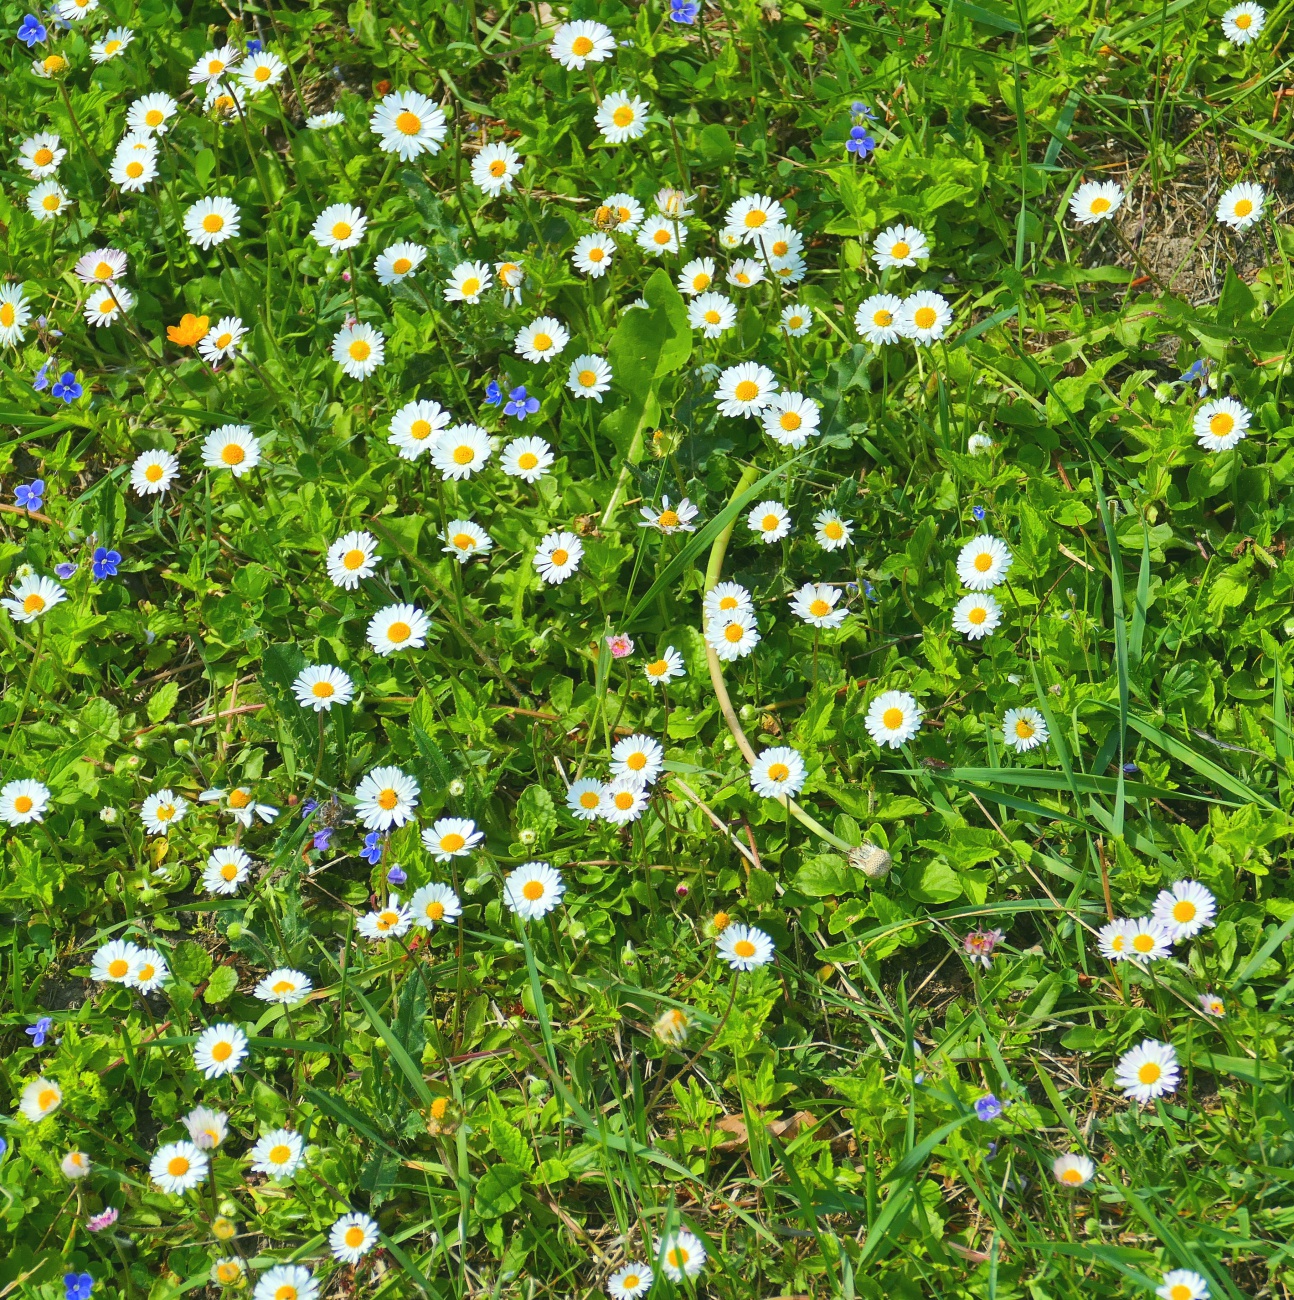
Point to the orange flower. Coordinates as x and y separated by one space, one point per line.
190 329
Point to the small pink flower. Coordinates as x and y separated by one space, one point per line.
345 275
620 645
104 1219
681 891
979 944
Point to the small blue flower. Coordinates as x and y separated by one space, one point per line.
860 142
41 382
979 512
683 11
38 1031
859 109
30 495
1131 769
397 876
78 1285
988 1107
67 388
254 47
308 807
372 850
520 405
65 570
869 591
493 394
322 841
104 563
32 30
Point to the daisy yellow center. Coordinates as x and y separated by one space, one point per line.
146 972
623 115
106 308
402 266
55 63
232 454
543 342
728 602
700 282
354 559
1118 943
755 218
924 317
743 948
387 919
227 1272
33 604
1179 1290
215 66
533 890
1150 1072
154 473
282 986
280 1154
464 541
452 842
527 460
387 799
883 318
588 378
623 800
1183 911
43 156
420 430
222 1051
977 615
900 249
1072 1176
23 804
1099 205
1244 207
262 73
51 202
795 322
498 167
983 562
464 455
559 556
135 170
892 718
833 530
1143 942
668 519
360 349
177 1166
46 1098
1024 729
341 230
582 46
661 236
742 277
629 1281
165 811
733 632
354 1236
471 287
746 391
408 123
769 523
589 799
636 761
712 317
213 222
229 870
678 1256
118 968
657 669
597 254
1244 22
791 420
778 772
154 117
224 340
399 632
1221 424
102 271
435 911
286 1292
819 608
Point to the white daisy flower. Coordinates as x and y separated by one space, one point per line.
207 1128
899 246
621 117
743 947
22 802
674 203
577 44
592 255
323 121
670 519
748 218
528 459
231 447
586 799
33 596
434 905
389 922
285 986
408 124
533 890
983 563
745 389
769 520
541 340
286 1282
160 811
39 155
789 270
393 264
1147 1071
778 773
321 686
149 971
219 1050
797 319
1221 424
352 1237
40 1098
1073 1170
102 266
211 221
1241 205
629 1282
790 419
1181 1283
626 210
351 559
1112 940
745 272
104 305
726 598
465 539
924 317
831 531
893 718
1212 1006
416 426
76 1164
52 65
398 627
589 376
976 615
226 869
494 167
1024 729
358 349
558 556
1095 201
451 837
1240 25
386 798
153 472
978 443
113 962
213 65
624 800
639 758
732 636
696 277
338 227
1148 940
278 1154
663 670
461 450
261 71
71 11
815 604
778 243
178 1167
712 314
659 235
241 806
1184 909
151 113
877 319
131 172
511 278
468 281
47 200
222 339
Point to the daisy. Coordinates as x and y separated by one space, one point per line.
211 221
1095 201
284 986
732 636
351 559
796 319
586 799
558 556
241 806
278 1154
1184 909
47 200
391 921
39 155
626 210
113 962
1181 1283
1240 25
222 339
467 282
261 70
1024 729
726 598
228 1271
408 124
22 802
131 172
592 255
323 121
352 1237
151 113
575 44
663 670
153 472
696 277
321 686
178 1167
511 278
1073 1170
359 349
416 426
226 869
778 243
778 773
213 65
451 837
899 246
745 389
219 1050
978 443
893 718
76 1164
789 270
106 304
1221 424
975 616
743 947
923 317
385 798
528 459
434 905
160 811
31 597
286 1282
1147 1071
983 563
815 604
877 317
149 971
71 11
589 376
1148 940
712 314
659 236
494 167
542 339
770 520
624 800
670 519
533 890
398 627
790 419
630 1282
40 1097
465 539
231 447
52 65
831 531
1112 940
461 450
113 43
638 757
1241 205
338 227
747 218
400 260
621 117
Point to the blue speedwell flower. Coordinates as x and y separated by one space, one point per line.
67 388
988 1107
860 142
372 850
683 11
104 563
397 876
493 393
31 495
78 1285
520 405
41 382
31 30
65 570
38 1031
